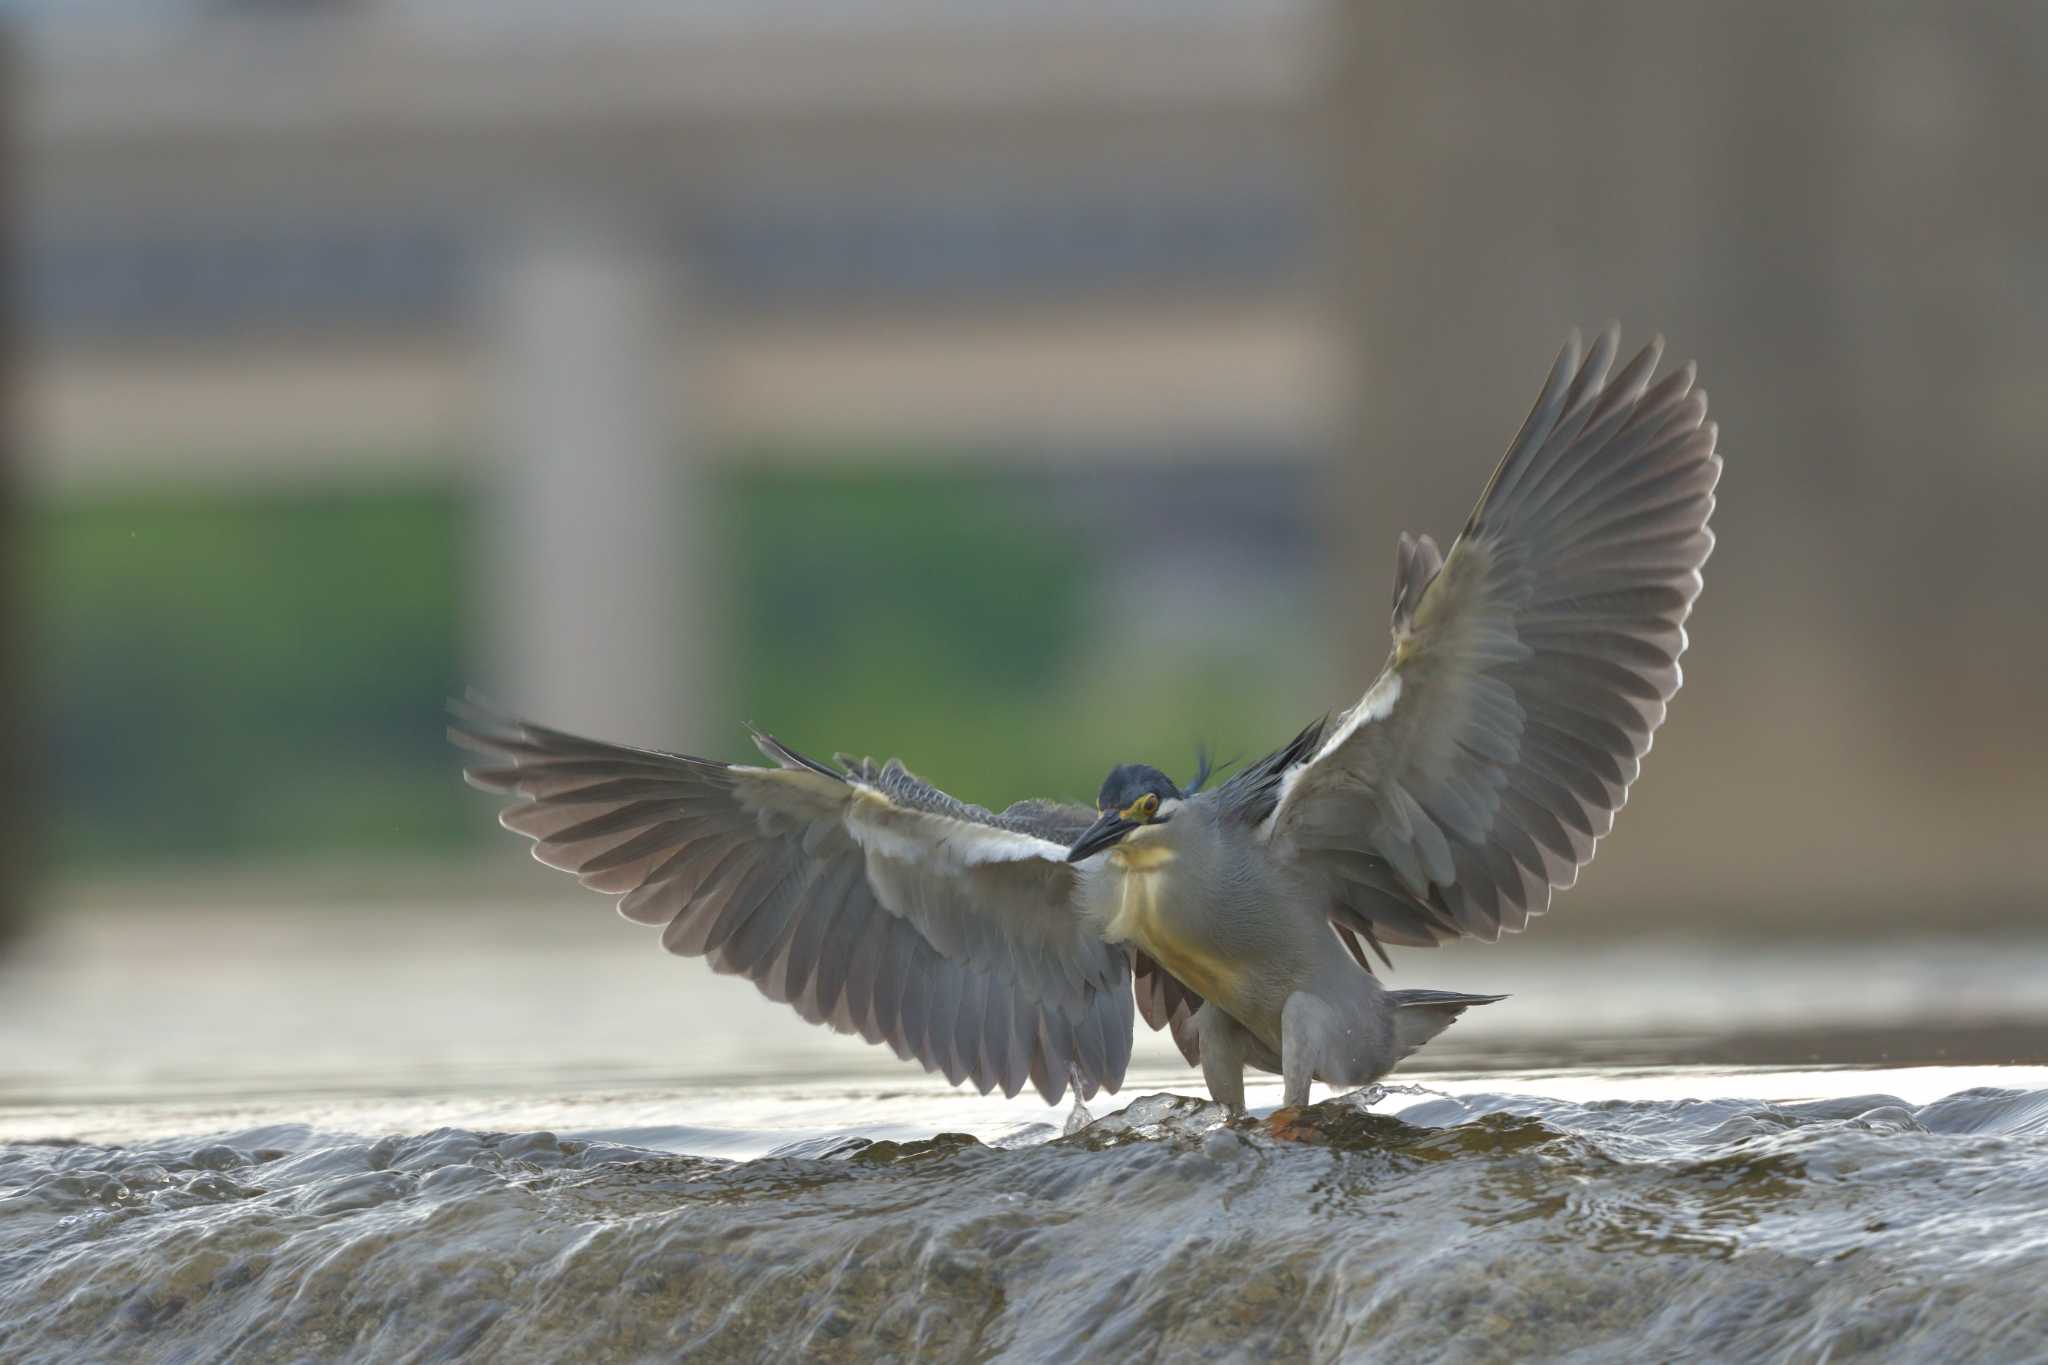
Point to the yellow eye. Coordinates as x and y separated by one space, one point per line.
1145 807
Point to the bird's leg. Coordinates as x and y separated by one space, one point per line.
1298 1052
1301 1021
1223 1049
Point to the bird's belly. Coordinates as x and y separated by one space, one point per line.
1146 914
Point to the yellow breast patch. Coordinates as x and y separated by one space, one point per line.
1135 855
1142 917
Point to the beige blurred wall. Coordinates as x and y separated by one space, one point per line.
1137 377
1839 209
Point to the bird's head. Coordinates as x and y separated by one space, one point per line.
1132 797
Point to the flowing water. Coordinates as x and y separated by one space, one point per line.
240 1141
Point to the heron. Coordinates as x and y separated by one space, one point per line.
1530 668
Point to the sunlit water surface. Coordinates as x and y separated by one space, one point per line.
237 1138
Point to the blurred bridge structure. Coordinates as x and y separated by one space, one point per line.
585 256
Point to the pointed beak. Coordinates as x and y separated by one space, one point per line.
1100 835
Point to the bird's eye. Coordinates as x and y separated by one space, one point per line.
1148 806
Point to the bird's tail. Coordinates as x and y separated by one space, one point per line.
1421 1015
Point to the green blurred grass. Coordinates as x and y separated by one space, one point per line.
216 675
227 677
945 617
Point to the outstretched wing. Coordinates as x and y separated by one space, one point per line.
1529 672
866 899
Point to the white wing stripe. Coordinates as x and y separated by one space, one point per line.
881 826
1376 705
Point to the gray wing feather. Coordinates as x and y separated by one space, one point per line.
1531 667
1165 1002
868 901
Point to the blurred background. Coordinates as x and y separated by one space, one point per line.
925 379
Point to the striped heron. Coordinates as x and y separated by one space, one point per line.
1530 668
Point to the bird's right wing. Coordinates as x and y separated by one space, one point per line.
866 899
1530 669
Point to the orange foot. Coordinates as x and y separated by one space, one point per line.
1289 1124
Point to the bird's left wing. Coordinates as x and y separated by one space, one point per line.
1530 670
865 898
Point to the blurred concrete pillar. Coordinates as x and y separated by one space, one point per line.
594 569
1828 212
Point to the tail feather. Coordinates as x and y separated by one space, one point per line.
1421 1015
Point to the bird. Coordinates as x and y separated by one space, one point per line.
1530 668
